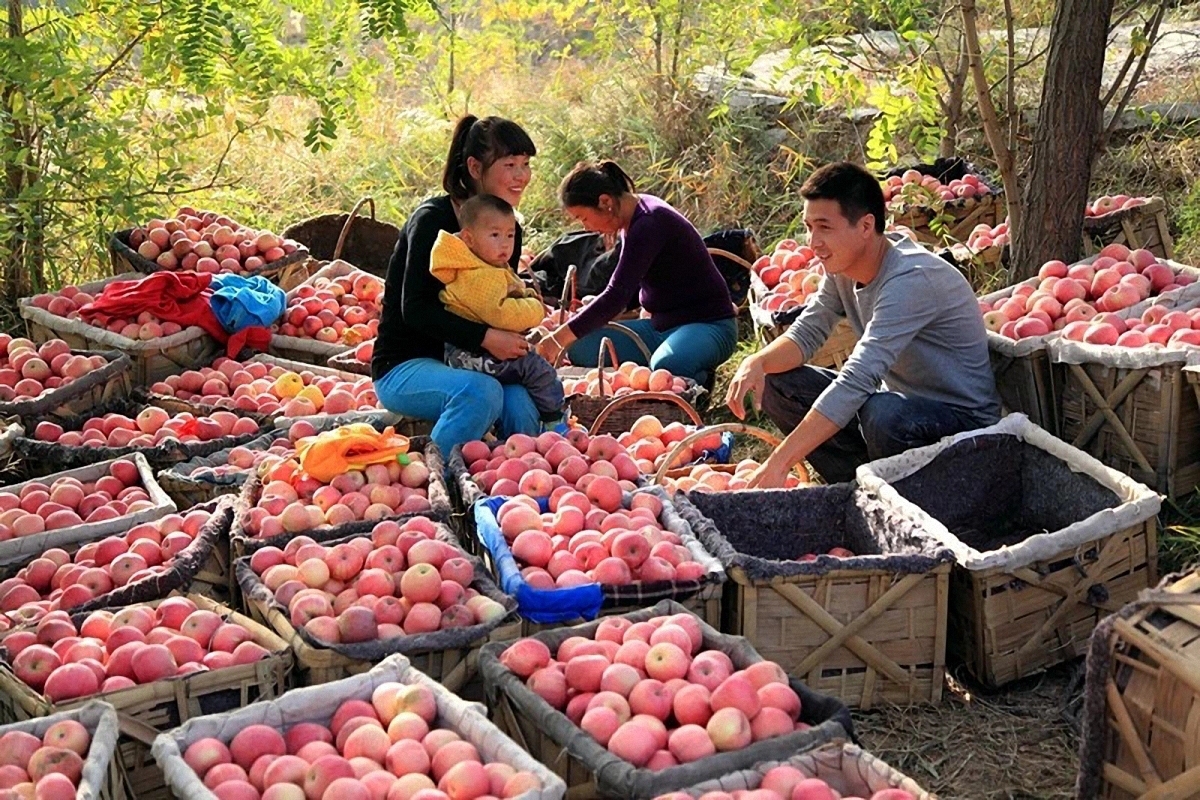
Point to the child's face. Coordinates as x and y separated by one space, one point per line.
492 238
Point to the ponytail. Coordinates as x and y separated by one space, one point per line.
584 184
487 140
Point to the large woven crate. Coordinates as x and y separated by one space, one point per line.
865 630
453 667
542 609
153 359
101 778
108 384
152 708
318 704
1133 410
1143 226
1140 737
1047 540
845 767
298 348
22 549
367 243
589 770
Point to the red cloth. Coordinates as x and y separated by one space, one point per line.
179 297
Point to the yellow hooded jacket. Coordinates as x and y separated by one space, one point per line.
477 291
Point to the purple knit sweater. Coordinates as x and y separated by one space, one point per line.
662 255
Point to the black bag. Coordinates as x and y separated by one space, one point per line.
594 265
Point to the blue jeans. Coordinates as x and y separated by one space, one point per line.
691 351
463 404
887 424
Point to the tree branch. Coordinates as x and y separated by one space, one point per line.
1010 72
1131 87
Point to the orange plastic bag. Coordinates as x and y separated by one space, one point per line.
350 447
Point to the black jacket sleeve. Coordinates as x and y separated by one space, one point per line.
420 305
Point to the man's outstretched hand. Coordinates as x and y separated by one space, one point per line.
749 379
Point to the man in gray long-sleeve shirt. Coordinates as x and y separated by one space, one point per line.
920 370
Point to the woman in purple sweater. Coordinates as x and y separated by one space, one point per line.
692 327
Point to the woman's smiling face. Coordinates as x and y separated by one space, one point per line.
505 178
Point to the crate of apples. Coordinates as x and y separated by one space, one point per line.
1106 204
66 657
151 427
56 580
657 688
339 305
1094 292
402 579
391 732
28 371
205 241
710 478
68 302
537 467
649 442
983 236
914 189
789 276
54 758
272 387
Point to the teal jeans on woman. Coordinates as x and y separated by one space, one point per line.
691 351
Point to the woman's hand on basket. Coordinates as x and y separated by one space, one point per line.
505 345
750 378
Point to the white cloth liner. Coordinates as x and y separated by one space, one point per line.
22 549
318 704
1137 502
1066 351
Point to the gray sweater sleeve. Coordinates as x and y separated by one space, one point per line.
902 308
816 321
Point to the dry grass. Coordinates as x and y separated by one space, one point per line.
1014 744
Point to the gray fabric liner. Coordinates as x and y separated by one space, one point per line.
101 722
450 639
763 532
616 777
179 473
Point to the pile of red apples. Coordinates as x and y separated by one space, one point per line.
1107 204
536 467
29 370
269 389
344 310
67 501
653 695
243 460
46 768
628 377
648 441
704 478
387 748
136 645
55 580
1091 294
399 582
792 274
205 241
68 301
151 427
914 189
983 236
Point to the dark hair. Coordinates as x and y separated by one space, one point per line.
488 140
856 191
475 207
587 181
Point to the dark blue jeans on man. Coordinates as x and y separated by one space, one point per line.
887 424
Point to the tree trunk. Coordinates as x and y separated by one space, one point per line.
1051 225
18 240
954 101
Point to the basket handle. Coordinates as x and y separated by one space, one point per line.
568 295
337 250
734 257
605 344
730 427
638 397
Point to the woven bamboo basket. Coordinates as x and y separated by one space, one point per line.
103 386
451 667
1138 227
149 709
365 243
770 325
289 269
1034 573
590 771
101 778
609 414
1150 740
153 359
1144 421
299 348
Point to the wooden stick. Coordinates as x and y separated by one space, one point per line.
1129 734
1104 408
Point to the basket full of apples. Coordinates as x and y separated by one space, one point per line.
395 586
128 426
652 701
315 741
203 241
71 754
203 478
52 379
832 771
942 201
1136 222
333 311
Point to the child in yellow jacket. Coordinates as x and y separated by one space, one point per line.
481 287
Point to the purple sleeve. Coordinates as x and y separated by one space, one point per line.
638 251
